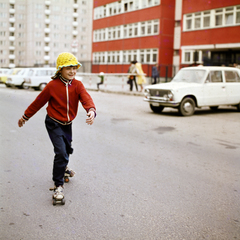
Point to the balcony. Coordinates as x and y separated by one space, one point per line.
12 20
74 50
47 39
75 24
46 58
47 30
11 1
75 14
11 56
11 65
11 38
47 49
11 48
47 12
47 3
75 5
11 11
47 21
75 33
12 29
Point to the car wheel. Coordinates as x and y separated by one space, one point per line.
187 107
214 108
156 109
42 86
24 86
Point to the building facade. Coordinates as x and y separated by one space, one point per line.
33 33
128 30
172 33
210 32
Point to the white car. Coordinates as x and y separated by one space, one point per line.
196 87
18 79
38 78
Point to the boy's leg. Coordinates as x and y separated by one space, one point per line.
61 137
60 160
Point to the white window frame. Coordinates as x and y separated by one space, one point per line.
131 5
191 54
212 15
126 56
127 31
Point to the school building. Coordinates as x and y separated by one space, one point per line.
172 33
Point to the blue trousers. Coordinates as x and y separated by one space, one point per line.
61 137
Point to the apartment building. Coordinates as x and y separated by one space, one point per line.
210 32
168 32
127 30
33 33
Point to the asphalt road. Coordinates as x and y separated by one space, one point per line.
140 175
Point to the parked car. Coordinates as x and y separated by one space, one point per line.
18 79
38 78
3 72
196 87
12 71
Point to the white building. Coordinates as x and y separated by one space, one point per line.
34 32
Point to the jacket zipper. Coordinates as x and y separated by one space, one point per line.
67 102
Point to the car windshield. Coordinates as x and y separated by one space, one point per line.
21 72
190 76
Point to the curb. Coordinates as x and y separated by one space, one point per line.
116 92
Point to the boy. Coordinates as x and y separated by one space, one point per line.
63 94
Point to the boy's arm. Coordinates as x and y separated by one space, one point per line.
36 105
87 104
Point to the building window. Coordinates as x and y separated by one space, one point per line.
228 16
139 29
118 7
149 56
218 17
191 56
187 57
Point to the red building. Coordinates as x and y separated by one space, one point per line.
129 30
210 32
168 32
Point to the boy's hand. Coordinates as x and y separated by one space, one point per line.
90 118
21 121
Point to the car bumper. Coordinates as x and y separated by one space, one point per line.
163 102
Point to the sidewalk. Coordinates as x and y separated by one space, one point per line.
111 84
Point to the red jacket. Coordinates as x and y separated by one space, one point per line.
62 100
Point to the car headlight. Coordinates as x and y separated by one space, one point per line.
169 96
146 92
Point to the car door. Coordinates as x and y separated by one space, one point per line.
232 79
214 89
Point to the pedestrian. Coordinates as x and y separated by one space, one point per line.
155 73
140 75
132 78
62 94
101 75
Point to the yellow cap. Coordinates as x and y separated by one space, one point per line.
66 59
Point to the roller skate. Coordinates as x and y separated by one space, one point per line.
58 196
68 173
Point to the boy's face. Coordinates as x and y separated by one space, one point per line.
69 72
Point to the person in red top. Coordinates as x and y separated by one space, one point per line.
63 95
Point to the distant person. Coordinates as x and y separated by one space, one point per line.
155 73
140 76
236 65
101 75
62 95
132 78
